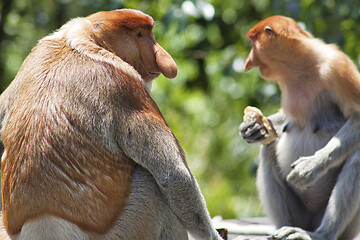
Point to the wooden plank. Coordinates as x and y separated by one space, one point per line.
246 228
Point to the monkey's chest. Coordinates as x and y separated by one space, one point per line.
298 143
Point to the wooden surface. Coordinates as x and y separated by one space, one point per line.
245 228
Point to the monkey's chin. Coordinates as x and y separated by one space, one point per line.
266 74
150 76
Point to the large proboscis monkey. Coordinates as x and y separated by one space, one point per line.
309 177
88 155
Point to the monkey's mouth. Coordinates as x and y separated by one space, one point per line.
150 76
154 74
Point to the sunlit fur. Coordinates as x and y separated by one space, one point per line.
88 154
309 177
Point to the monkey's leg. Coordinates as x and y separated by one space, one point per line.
342 216
147 215
342 212
280 203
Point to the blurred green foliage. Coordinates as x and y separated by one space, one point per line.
204 103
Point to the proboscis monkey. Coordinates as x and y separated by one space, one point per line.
309 177
88 155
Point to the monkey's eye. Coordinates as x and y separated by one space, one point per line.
139 34
268 29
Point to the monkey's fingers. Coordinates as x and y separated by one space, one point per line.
291 233
267 130
252 132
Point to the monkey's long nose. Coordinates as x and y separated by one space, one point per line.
249 63
165 62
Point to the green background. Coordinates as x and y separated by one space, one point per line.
204 103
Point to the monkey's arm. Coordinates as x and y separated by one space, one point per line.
254 132
7 99
151 144
307 170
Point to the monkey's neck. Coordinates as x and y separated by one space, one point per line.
297 95
303 78
296 103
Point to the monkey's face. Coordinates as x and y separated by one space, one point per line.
273 42
264 42
147 56
128 34
259 57
139 48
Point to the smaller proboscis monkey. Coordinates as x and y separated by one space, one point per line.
309 176
87 153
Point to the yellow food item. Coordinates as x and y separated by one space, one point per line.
253 113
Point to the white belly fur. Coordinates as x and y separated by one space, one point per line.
298 143
303 142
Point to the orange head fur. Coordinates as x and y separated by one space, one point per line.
274 41
128 34
277 25
127 18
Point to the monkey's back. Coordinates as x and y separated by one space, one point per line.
59 155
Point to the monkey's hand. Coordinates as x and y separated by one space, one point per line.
307 170
295 233
256 128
